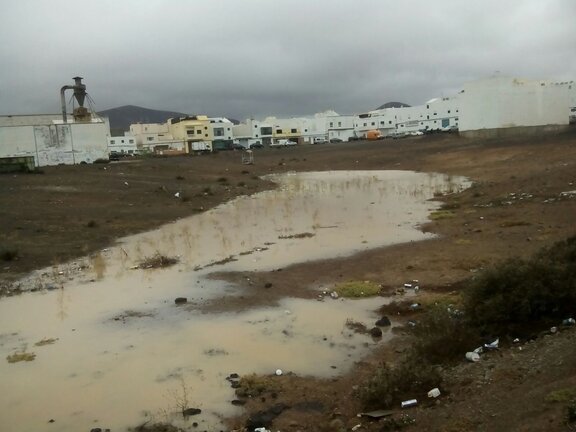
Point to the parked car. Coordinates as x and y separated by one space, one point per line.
256 145
114 156
335 140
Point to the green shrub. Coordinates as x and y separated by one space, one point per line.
519 293
443 334
412 378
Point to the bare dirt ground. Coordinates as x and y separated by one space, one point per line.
515 207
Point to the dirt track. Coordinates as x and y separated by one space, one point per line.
514 208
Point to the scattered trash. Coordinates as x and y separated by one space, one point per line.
358 426
177 194
516 341
278 372
479 350
377 414
434 393
492 345
261 429
334 294
126 183
414 306
409 403
553 330
407 285
569 322
412 323
472 356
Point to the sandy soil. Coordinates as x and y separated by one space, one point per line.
515 207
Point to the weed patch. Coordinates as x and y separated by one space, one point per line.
20 356
357 289
254 385
9 254
410 379
441 214
158 261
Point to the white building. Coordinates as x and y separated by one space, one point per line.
155 138
122 144
252 132
51 141
340 127
495 105
222 132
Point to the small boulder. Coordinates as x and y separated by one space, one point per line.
383 322
191 411
181 300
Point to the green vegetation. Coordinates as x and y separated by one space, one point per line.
20 356
388 386
519 294
158 261
357 289
254 385
512 299
441 214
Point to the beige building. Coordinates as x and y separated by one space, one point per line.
192 130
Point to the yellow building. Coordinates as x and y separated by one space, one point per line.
194 130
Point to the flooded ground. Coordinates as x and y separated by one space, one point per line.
107 346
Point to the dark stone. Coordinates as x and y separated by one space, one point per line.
233 376
376 332
268 285
194 424
181 300
234 384
191 411
383 322
238 402
96 430
264 418
51 421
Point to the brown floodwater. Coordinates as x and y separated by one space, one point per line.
112 349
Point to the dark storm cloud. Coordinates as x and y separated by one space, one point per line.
256 58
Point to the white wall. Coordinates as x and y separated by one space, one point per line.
57 143
504 102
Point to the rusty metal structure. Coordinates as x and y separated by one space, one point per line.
80 113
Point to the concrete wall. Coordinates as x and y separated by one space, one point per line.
503 102
55 144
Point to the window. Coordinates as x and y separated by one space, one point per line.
112 142
427 117
190 131
456 119
365 124
389 121
278 131
122 141
448 111
256 135
373 123
292 130
339 124
456 110
131 141
218 132
331 124
199 132
255 126
150 138
382 122
427 106
266 131
435 113
305 130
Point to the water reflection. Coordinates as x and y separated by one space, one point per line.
123 348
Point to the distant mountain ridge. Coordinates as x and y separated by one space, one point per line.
393 105
122 117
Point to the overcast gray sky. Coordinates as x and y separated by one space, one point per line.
243 58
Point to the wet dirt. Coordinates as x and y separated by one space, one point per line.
133 355
514 208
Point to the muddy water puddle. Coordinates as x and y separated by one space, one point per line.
110 348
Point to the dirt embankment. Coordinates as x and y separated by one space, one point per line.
517 205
